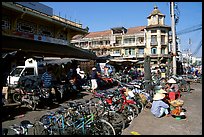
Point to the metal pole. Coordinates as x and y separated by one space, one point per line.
173 37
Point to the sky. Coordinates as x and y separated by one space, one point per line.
100 16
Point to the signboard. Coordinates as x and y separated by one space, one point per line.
24 35
50 40
38 7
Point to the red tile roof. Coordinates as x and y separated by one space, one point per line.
98 34
132 30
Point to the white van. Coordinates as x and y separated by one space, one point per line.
30 69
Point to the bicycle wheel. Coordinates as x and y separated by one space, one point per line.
135 109
97 106
140 105
115 119
101 127
39 129
128 114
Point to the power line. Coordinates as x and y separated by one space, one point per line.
191 29
198 48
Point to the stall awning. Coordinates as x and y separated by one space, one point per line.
122 60
38 48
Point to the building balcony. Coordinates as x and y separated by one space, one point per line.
140 43
154 55
128 44
154 43
115 54
164 55
129 56
164 43
140 55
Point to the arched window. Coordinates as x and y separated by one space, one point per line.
153 50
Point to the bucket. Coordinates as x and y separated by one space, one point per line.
178 118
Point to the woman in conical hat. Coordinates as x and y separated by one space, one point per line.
159 107
172 85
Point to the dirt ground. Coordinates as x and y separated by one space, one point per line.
145 123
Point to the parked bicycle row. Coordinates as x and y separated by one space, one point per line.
125 102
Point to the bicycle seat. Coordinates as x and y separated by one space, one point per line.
26 124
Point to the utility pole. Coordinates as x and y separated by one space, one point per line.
173 37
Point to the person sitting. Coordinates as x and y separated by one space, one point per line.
173 85
173 89
159 107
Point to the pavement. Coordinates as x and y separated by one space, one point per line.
144 124
147 124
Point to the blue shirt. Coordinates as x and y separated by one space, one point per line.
47 79
156 107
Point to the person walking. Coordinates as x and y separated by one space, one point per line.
47 83
94 77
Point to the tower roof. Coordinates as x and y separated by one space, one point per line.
156 11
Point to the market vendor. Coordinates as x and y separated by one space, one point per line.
159 107
173 89
171 85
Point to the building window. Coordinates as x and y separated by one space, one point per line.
140 39
162 50
163 31
107 42
25 26
126 52
141 51
129 40
154 39
130 51
153 31
162 39
154 51
116 51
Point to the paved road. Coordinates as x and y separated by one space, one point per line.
145 123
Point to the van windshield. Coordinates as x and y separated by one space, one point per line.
16 72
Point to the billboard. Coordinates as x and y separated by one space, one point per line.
38 7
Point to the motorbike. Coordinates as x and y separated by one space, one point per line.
29 97
29 93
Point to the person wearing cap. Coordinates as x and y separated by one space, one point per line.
94 77
159 107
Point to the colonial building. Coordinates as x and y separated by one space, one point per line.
131 43
32 28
